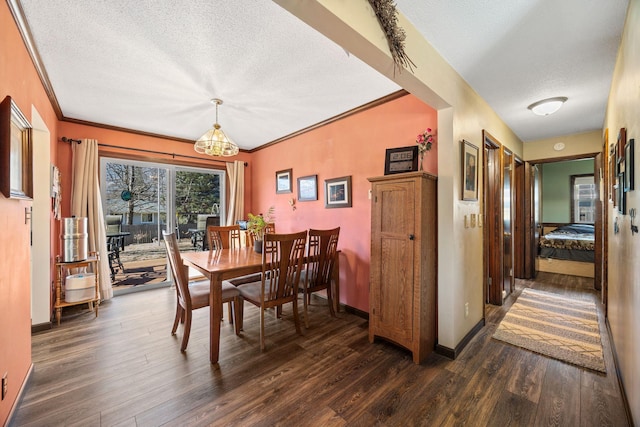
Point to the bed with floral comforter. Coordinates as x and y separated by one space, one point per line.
573 242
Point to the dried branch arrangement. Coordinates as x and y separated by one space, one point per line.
387 15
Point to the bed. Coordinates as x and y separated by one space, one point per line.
568 249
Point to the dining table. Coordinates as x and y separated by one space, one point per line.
224 264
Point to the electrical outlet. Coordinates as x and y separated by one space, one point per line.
5 384
466 309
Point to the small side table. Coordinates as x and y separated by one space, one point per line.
61 268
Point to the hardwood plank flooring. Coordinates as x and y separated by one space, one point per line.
125 369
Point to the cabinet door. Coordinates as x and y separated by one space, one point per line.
392 248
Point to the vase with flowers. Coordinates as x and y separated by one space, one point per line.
425 141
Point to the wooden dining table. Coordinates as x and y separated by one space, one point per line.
227 264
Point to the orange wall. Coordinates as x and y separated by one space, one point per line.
19 80
352 146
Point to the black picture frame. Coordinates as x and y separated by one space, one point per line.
308 188
629 173
16 152
337 192
399 160
622 196
283 181
469 171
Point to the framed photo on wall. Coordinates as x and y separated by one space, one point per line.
283 181
469 171
337 192
16 152
629 155
308 188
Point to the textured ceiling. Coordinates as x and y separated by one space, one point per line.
516 52
153 65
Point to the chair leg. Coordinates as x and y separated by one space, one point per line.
330 301
262 345
236 313
229 311
306 315
186 331
177 319
240 315
296 317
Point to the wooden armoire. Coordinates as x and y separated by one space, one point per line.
402 302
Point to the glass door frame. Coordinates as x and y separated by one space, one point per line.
170 195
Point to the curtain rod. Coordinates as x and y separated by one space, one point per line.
174 155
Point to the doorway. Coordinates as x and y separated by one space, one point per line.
143 199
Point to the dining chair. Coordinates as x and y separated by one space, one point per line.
194 295
250 237
282 259
322 252
223 236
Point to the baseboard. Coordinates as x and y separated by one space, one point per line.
41 327
452 353
625 402
356 311
346 308
21 392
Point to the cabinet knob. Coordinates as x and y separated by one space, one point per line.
412 237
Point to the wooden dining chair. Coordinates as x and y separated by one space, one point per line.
282 258
250 237
322 252
194 295
223 236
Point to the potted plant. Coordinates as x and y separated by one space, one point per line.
257 226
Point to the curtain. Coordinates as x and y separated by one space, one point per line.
86 202
235 171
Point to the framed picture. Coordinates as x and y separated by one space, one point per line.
622 140
469 171
16 158
622 196
337 192
629 156
283 181
398 160
308 188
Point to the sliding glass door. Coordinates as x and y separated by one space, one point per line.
140 200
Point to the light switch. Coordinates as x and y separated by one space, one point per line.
466 222
473 220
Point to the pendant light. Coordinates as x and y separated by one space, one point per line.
214 142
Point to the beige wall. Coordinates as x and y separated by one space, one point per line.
576 144
462 114
623 110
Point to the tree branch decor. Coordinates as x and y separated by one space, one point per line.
387 15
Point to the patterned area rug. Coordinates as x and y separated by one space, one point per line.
563 328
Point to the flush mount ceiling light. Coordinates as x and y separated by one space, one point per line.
214 142
547 106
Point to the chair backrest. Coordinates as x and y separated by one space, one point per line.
321 256
113 223
178 269
202 222
282 257
269 229
223 236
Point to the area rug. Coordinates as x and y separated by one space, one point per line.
555 326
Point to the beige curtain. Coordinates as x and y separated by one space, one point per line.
235 212
86 202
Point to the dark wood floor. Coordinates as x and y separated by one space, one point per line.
125 369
